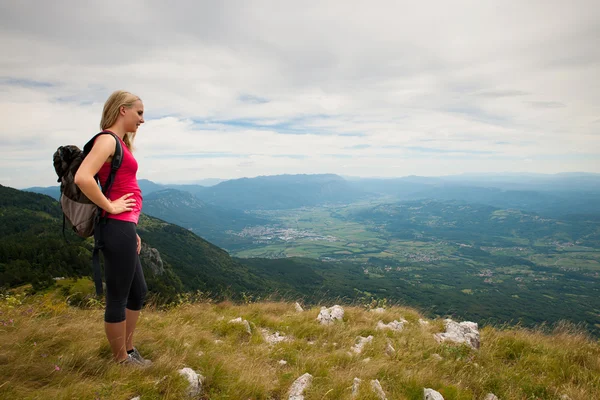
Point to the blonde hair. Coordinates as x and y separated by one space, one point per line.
110 113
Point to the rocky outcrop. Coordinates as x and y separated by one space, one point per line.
150 258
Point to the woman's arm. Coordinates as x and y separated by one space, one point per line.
103 148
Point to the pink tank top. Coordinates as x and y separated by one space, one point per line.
125 181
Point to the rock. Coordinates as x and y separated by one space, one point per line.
355 387
389 349
299 386
282 362
378 310
394 325
274 338
491 396
464 332
430 394
423 322
565 397
377 389
298 307
328 316
362 341
150 258
136 398
195 380
239 320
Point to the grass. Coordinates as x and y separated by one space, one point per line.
49 349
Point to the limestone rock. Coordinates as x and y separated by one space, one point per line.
389 349
298 307
355 387
362 341
299 386
195 380
239 320
394 325
328 316
464 332
273 338
430 394
377 389
491 396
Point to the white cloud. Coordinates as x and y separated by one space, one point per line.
265 87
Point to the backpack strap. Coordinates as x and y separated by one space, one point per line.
117 160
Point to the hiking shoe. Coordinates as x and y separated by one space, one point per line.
138 357
131 360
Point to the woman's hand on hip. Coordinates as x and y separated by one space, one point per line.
122 204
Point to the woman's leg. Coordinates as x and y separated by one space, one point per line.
120 259
130 323
135 302
115 333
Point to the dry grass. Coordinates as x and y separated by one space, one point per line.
49 350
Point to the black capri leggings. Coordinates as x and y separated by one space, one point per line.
125 283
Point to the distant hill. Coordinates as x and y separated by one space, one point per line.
552 195
146 186
282 192
32 250
206 220
52 191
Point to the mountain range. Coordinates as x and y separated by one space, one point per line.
553 195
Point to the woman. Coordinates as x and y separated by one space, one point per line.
125 284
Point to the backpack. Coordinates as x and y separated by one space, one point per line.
81 213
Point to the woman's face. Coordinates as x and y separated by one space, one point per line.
134 116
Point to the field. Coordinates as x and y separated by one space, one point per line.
460 257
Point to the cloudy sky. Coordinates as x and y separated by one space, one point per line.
248 88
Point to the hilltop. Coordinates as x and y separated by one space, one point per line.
49 349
